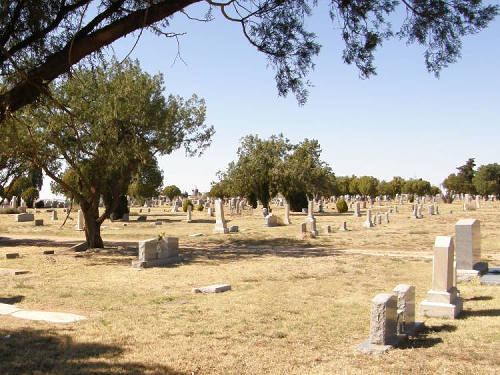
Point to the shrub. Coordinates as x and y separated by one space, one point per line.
200 207
342 206
185 204
29 196
39 204
411 198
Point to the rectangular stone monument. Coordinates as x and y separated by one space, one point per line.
310 209
189 214
54 215
383 325
468 247
356 210
443 300
368 223
220 223
80 221
157 252
286 219
271 221
405 295
24 217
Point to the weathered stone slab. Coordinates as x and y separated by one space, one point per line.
12 272
12 255
212 288
155 252
48 252
24 217
271 221
233 229
491 278
38 223
82 246
196 235
51 317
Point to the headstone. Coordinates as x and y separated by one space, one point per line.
478 205
189 213
24 217
430 210
387 218
356 210
368 223
405 295
54 215
328 229
265 211
142 218
38 223
22 209
468 247
443 300
157 252
383 325
80 221
286 219
210 212
314 231
233 229
212 289
220 223
379 219
419 212
11 255
303 228
343 226
310 209
271 221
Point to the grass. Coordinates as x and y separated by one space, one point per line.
296 306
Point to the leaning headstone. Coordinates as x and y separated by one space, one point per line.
443 300
468 247
368 223
383 325
24 217
80 221
286 219
271 221
220 223
157 252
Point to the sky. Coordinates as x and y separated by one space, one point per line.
401 122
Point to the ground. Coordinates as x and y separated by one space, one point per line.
297 306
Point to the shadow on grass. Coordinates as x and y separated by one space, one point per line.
487 312
478 298
13 242
422 340
31 351
11 300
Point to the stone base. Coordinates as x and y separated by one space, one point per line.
375 349
433 307
156 262
221 228
491 278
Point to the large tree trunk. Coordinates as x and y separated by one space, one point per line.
92 225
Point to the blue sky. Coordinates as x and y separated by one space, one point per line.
402 122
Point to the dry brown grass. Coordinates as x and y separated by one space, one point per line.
297 307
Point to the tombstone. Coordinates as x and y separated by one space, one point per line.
22 209
436 209
356 210
419 212
303 229
379 219
414 213
364 204
343 226
157 252
468 247
478 205
271 221
430 210
265 211
38 223
383 325
142 218
320 208
188 214
310 210
443 300
368 223
24 217
13 202
405 295
387 218
286 220
210 211
314 231
396 210
220 223
80 221
54 215
233 229
125 217
328 229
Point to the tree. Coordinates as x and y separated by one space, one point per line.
343 183
461 183
110 120
303 175
171 192
435 191
417 186
41 40
147 181
487 180
367 186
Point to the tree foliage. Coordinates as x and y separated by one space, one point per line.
487 180
461 182
41 40
110 121
171 191
146 183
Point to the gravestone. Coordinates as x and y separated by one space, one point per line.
24 217
271 221
157 252
38 223
405 295
387 218
379 219
220 223
430 210
343 226
188 214
233 229
54 215
443 300
368 223
265 212
80 221
286 219
383 325
356 210
210 212
303 229
414 213
468 247
314 231
328 229
310 210
142 218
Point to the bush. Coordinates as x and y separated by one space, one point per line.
411 198
200 207
9 210
39 204
342 206
29 196
185 204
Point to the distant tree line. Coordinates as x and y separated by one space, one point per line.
484 180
